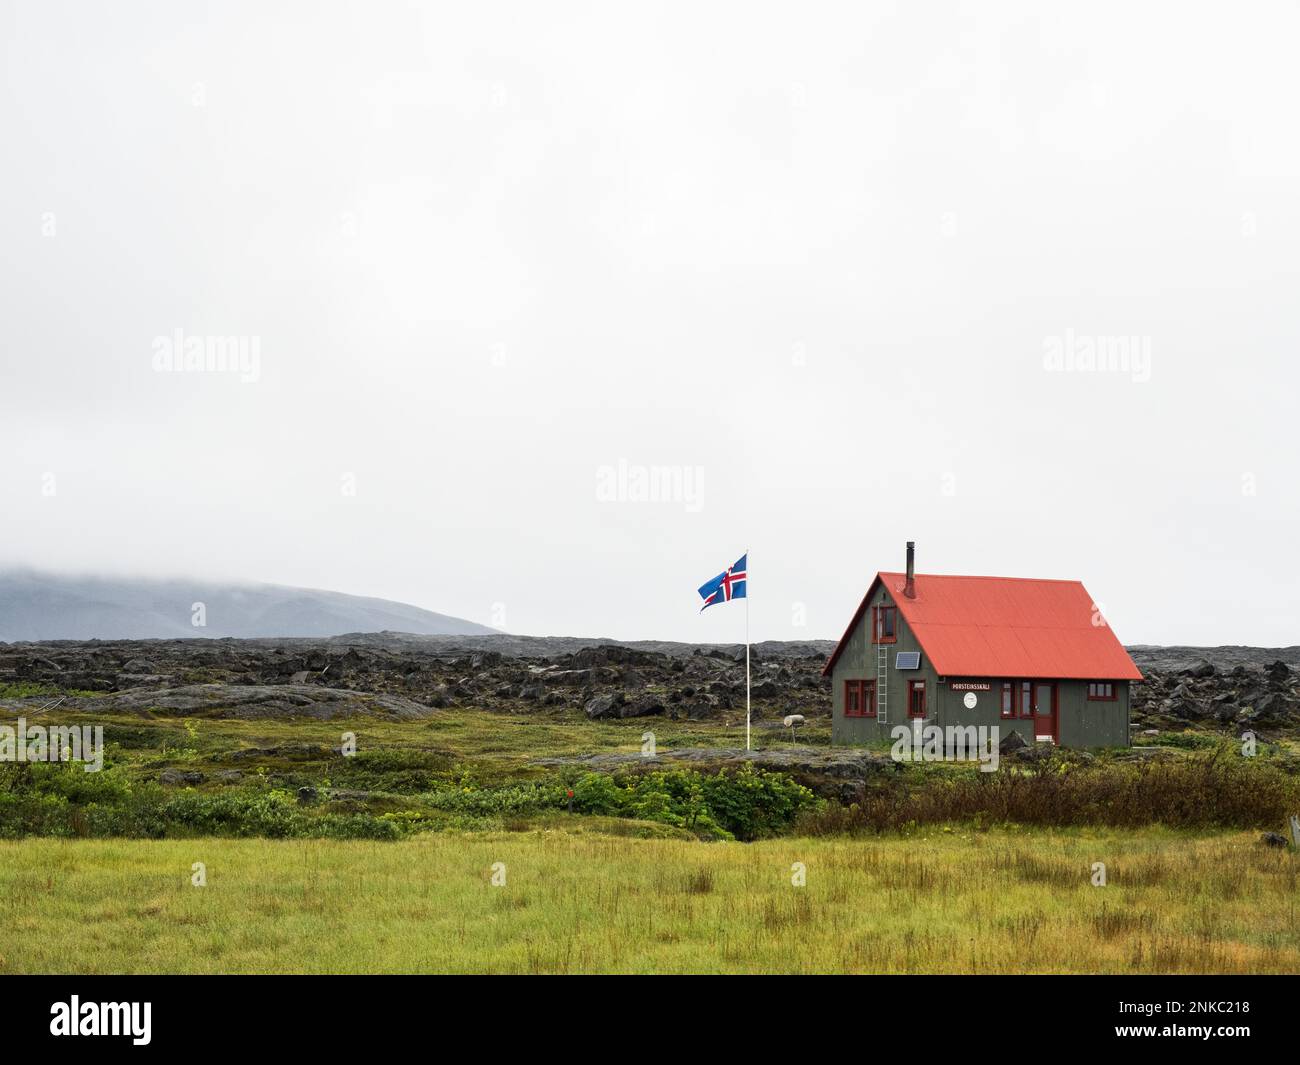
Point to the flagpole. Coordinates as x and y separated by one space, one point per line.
747 648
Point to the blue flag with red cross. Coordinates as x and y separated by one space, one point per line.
726 586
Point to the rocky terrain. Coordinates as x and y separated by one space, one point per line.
403 676
1217 688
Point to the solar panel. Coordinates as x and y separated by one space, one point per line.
907 660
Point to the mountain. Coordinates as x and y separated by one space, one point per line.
43 606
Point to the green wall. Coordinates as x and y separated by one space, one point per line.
858 662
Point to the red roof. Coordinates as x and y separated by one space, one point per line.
1010 627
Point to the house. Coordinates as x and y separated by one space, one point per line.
1030 656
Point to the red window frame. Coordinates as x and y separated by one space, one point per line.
878 614
913 687
1017 699
859 698
1102 691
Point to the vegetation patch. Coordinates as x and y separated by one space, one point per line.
26 689
466 770
745 804
62 800
581 900
1220 789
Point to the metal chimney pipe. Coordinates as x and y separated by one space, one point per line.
909 589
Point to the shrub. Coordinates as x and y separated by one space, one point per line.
39 799
752 803
493 802
242 813
745 804
596 793
398 770
1218 790
33 815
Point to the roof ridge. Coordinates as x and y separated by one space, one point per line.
983 577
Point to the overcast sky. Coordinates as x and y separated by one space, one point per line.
819 278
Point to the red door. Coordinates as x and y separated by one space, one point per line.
1045 712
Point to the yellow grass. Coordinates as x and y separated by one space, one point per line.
582 899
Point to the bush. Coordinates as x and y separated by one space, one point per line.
40 799
397 770
33 815
243 813
59 800
596 793
492 802
751 804
745 804
1218 790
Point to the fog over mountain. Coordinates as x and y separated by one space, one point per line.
45 606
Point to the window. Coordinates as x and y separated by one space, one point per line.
859 698
1101 691
1017 698
916 698
884 624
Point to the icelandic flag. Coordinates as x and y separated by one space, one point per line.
726 586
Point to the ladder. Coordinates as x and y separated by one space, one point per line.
882 682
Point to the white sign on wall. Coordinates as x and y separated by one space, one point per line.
970 700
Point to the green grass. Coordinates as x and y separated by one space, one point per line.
457 769
26 689
495 745
582 895
478 769
624 885
489 747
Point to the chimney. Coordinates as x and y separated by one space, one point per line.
909 589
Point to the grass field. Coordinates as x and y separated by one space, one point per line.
586 895
466 769
95 875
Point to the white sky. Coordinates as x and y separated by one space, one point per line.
818 251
